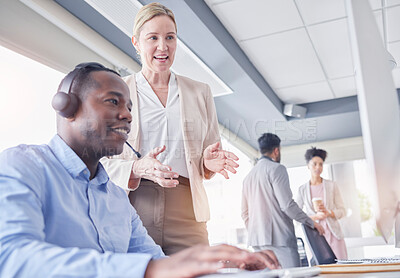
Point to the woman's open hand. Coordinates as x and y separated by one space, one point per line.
219 161
150 168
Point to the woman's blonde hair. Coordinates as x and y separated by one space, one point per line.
149 11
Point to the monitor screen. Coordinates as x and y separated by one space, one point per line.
379 112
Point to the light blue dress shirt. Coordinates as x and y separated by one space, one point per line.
55 222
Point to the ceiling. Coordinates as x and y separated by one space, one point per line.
302 48
258 55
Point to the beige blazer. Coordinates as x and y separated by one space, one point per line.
199 127
332 200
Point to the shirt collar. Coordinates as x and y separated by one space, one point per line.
266 157
67 157
101 176
72 162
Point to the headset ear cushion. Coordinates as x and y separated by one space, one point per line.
65 104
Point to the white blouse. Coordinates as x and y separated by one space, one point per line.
161 125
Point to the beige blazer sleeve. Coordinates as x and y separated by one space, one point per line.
334 199
119 170
335 203
212 135
200 129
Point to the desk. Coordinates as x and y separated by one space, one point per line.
271 274
361 270
364 275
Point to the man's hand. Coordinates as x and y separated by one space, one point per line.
319 228
269 255
201 260
218 161
150 168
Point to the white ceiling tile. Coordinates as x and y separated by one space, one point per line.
344 87
393 22
396 77
305 93
285 59
331 41
375 4
314 11
390 3
246 19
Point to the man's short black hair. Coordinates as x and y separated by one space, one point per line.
268 142
84 81
310 153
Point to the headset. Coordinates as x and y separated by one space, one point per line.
66 104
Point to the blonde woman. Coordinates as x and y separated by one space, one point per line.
328 205
178 113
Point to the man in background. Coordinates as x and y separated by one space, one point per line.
268 208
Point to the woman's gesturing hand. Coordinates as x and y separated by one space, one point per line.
218 161
150 168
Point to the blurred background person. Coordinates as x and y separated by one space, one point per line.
321 200
177 113
268 209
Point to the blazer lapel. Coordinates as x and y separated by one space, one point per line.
326 192
188 117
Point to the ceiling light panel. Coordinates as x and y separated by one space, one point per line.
121 15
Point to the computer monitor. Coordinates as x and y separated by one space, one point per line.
379 113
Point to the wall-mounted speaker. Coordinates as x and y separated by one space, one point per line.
293 110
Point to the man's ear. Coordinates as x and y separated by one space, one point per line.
276 151
70 119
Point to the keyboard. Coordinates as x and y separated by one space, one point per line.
266 273
385 260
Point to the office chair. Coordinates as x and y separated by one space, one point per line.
322 252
